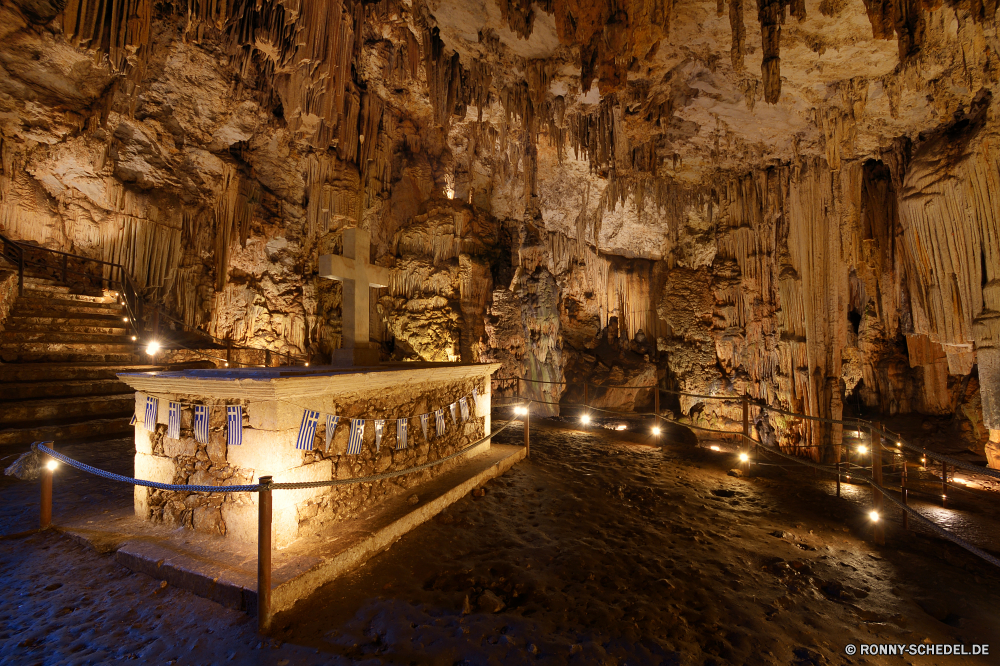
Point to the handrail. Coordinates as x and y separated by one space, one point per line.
16 251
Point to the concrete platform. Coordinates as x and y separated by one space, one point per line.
226 571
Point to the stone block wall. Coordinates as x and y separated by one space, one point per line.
270 429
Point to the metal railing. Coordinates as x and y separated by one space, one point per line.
109 276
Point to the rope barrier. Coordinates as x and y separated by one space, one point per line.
111 476
927 522
856 423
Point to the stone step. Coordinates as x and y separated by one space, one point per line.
113 327
36 292
32 353
29 413
28 305
72 430
81 371
28 318
53 336
13 391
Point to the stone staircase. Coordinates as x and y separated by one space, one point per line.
60 352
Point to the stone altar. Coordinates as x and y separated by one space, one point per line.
273 401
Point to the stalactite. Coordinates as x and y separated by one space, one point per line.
234 210
739 33
119 28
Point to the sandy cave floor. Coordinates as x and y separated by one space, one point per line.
599 552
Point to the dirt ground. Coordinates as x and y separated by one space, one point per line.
594 551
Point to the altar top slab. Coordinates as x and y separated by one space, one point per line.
287 382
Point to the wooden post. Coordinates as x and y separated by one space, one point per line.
527 427
45 510
264 556
903 493
877 477
746 426
944 484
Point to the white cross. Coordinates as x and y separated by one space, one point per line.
357 275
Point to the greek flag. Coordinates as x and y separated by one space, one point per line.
133 419
402 425
439 414
234 425
201 423
464 404
379 427
331 425
357 434
453 408
152 404
307 430
424 418
174 420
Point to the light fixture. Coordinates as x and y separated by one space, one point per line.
520 410
656 430
923 460
307 364
621 426
873 515
153 347
744 457
714 447
227 364
585 419
51 465
125 319
899 443
862 449
134 338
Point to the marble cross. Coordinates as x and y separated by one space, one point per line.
357 275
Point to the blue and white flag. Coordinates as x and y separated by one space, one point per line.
307 430
201 423
133 420
439 415
331 425
463 403
357 435
402 426
152 405
379 427
234 425
174 420
424 418
453 408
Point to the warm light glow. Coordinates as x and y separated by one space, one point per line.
621 426
585 419
134 338
873 515
307 364
714 447
923 460
52 464
862 449
744 457
958 479
153 347
124 318
227 364
520 410
656 430
899 443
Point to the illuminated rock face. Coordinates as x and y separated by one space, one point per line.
793 198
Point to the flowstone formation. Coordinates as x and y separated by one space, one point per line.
793 199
